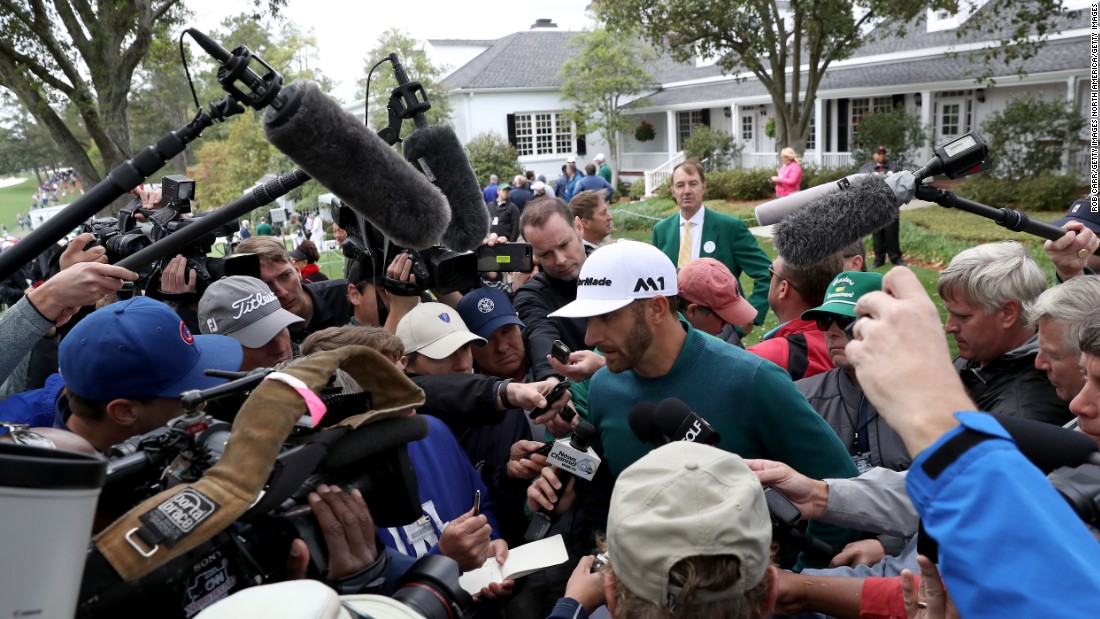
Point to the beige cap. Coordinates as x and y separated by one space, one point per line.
684 500
434 330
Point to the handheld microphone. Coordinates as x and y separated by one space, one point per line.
342 154
677 422
643 423
570 457
833 221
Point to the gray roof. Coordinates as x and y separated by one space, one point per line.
461 42
918 37
1056 56
532 59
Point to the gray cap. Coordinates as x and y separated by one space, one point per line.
245 309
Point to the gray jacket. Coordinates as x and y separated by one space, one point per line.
21 327
836 397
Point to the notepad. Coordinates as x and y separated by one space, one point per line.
522 560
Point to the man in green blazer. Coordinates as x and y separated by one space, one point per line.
714 235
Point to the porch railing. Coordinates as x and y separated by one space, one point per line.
661 174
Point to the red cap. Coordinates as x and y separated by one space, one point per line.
707 282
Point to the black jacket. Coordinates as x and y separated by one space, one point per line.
534 301
1011 385
504 219
331 307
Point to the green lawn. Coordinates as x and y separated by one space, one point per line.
16 199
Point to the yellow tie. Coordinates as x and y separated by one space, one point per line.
685 246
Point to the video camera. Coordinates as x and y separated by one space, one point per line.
125 235
255 548
436 268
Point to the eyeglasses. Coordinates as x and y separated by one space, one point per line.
789 283
844 322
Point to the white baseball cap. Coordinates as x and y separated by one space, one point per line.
571 159
305 599
599 157
616 274
434 330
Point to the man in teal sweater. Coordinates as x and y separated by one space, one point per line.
627 291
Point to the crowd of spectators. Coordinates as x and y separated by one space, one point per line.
851 408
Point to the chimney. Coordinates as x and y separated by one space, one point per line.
544 23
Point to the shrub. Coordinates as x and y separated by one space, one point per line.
714 148
741 185
636 190
490 153
1047 193
898 130
812 175
1028 137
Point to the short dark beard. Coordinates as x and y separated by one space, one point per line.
638 341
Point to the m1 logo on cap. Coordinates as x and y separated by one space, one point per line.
445 317
486 306
186 334
647 284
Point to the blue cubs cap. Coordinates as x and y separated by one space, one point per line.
140 348
484 310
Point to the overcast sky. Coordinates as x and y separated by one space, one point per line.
345 31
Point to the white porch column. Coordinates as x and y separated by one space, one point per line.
1071 98
819 131
670 120
926 121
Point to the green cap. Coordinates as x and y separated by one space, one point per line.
844 291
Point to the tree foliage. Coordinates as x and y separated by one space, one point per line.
24 144
57 53
1028 138
715 148
234 155
412 56
898 130
490 153
607 68
767 39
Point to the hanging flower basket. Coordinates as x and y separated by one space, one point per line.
644 132
769 128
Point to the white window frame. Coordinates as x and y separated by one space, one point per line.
685 120
865 105
544 133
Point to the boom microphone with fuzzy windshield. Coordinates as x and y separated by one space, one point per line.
831 222
338 151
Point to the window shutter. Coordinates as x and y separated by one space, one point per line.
706 116
512 129
845 124
582 148
899 101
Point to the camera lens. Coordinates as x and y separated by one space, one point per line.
430 587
